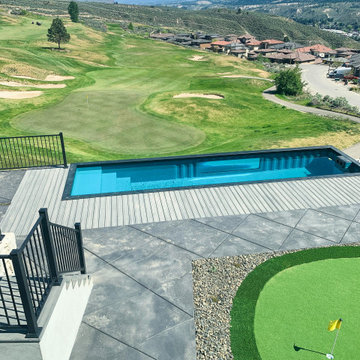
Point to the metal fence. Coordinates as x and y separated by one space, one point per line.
68 246
28 273
32 151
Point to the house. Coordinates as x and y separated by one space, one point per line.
253 44
162 36
287 46
318 50
213 37
182 39
219 46
246 38
232 38
240 53
265 44
354 62
252 55
295 57
199 42
234 46
267 51
205 46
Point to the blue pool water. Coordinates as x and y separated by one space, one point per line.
198 171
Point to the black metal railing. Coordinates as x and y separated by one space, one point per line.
32 151
68 248
28 273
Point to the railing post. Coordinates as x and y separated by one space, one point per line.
63 149
80 246
23 285
49 245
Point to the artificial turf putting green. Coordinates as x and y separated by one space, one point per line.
296 305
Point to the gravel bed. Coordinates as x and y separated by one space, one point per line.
215 283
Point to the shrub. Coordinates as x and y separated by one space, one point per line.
288 82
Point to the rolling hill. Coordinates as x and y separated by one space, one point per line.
222 21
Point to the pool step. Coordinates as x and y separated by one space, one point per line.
82 184
108 181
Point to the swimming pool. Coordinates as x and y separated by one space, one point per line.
127 176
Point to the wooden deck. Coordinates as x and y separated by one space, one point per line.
44 188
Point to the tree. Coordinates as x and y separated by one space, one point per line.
57 32
73 10
131 26
288 82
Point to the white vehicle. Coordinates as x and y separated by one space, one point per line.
339 72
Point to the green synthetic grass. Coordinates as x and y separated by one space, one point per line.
243 336
297 304
130 82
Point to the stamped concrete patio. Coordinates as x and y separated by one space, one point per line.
141 306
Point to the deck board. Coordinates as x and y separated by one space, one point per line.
44 187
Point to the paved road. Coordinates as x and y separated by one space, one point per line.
269 94
317 82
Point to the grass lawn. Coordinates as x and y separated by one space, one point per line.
297 304
121 103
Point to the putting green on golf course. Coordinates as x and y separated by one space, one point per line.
296 305
120 102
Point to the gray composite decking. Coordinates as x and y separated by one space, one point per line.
44 188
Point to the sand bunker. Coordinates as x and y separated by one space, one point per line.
58 78
192 95
24 77
37 86
48 78
19 94
197 58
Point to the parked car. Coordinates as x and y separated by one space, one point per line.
339 72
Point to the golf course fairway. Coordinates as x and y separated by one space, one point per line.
296 305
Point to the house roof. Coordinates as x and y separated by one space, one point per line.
264 51
253 43
317 48
295 56
271 41
221 43
355 61
342 49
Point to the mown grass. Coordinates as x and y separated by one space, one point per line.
121 103
296 305
243 331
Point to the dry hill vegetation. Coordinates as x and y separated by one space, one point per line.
223 21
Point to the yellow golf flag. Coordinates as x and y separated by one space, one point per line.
334 324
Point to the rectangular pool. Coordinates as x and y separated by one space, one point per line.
129 176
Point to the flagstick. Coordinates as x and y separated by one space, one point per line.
332 350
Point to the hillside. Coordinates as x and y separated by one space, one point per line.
335 14
222 21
